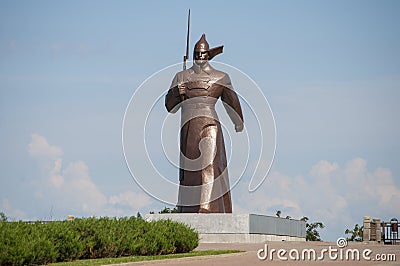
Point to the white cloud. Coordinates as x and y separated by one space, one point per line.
356 169
324 168
339 197
11 212
130 198
81 190
40 148
274 194
55 178
73 190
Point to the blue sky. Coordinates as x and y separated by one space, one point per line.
329 69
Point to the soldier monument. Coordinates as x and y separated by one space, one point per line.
204 182
204 198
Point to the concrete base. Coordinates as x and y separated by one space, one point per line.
245 238
238 228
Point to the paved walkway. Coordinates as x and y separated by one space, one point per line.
249 257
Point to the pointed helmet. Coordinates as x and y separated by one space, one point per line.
203 46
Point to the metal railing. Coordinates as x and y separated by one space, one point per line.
390 232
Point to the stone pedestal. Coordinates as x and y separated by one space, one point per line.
378 234
367 228
372 230
238 228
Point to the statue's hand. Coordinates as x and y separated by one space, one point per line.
239 128
182 89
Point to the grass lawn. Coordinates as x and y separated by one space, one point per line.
143 258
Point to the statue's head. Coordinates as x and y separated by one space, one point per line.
202 52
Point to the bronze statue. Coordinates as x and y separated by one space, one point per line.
204 183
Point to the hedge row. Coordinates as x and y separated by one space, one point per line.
23 243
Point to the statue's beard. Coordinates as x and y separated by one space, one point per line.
200 62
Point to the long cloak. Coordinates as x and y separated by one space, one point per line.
204 183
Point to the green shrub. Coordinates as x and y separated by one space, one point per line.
24 243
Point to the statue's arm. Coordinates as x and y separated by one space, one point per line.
172 99
231 103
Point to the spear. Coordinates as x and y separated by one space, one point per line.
186 56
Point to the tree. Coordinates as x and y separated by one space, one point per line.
356 233
168 210
3 217
312 233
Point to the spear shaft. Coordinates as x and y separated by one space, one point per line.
186 56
